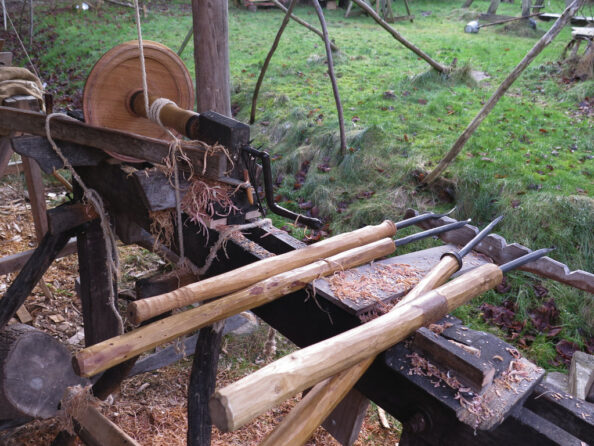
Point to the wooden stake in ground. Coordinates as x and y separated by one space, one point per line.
242 401
320 13
304 23
142 310
484 112
369 10
102 356
279 34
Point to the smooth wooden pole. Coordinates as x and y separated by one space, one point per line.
502 89
298 426
101 356
369 10
239 278
233 406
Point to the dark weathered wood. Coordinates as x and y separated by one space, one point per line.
39 149
202 384
501 252
111 380
174 353
467 368
5 154
211 53
493 7
36 196
149 149
5 58
100 321
542 43
34 372
68 216
569 413
31 273
14 262
163 283
345 421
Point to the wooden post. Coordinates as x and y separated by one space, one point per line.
502 89
211 53
526 5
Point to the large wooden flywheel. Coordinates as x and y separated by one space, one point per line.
116 78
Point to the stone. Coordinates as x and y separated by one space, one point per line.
580 372
557 380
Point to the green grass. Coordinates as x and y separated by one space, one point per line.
531 159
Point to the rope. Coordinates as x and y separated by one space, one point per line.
91 195
22 44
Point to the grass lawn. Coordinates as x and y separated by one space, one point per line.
531 159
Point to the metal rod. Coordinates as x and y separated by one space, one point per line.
422 217
434 231
477 238
527 258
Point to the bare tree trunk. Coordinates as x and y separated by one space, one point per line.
332 77
211 54
493 7
535 51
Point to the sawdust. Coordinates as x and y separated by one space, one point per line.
378 281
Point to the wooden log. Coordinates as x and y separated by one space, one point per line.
542 43
211 55
240 402
248 275
309 413
15 262
149 149
95 429
97 358
34 373
31 273
493 6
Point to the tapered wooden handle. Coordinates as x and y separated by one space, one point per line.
106 354
233 406
144 309
298 426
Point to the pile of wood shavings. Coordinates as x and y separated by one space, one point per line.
475 405
380 280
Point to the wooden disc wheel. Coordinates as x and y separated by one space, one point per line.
117 76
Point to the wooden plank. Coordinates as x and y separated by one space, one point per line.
38 148
575 20
69 215
5 59
345 421
31 273
36 196
5 155
149 149
497 248
466 367
422 261
569 413
15 262
587 33
24 315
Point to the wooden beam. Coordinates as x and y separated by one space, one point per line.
104 355
15 262
36 196
149 149
31 273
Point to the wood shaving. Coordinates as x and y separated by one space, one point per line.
379 279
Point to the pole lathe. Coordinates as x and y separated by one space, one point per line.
236 404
